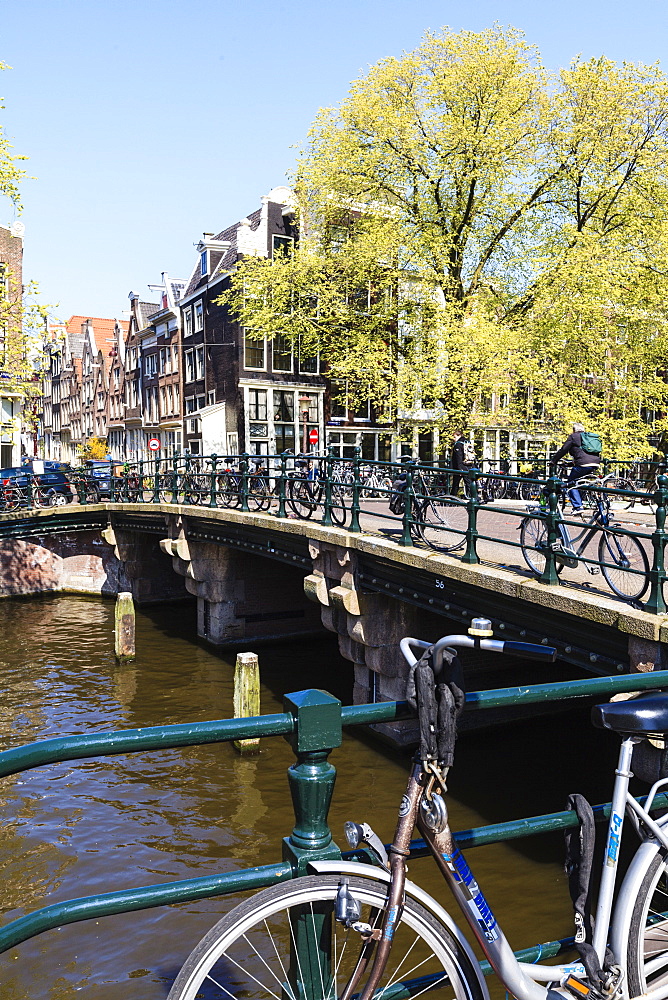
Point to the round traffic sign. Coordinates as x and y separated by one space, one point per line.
313 435
154 444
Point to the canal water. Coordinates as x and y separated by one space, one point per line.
70 830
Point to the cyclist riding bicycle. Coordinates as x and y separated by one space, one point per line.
585 450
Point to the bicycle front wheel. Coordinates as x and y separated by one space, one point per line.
533 540
623 564
647 956
285 942
442 523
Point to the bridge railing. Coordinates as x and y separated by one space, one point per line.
469 514
312 722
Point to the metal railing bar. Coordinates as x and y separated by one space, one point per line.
144 897
62 748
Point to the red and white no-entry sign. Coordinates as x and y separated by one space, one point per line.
313 435
154 444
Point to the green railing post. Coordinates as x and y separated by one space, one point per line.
156 481
318 730
213 493
355 527
175 477
656 602
407 517
142 484
243 465
282 478
317 718
328 464
473 506
552 516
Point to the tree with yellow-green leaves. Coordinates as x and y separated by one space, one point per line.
472 228
22 318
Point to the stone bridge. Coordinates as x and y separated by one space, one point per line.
256 578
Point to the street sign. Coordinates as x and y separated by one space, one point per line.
154 444
313 435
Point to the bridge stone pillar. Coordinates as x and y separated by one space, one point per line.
369 627
240 596
140 568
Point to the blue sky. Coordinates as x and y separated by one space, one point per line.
148 123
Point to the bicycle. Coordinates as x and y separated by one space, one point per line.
362 930
621 557
305 493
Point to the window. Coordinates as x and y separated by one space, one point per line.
339 407
308 364
191 404
282 354
257 404
254 352
190 366
199 358
281 246
150 364
176 399
3 279
201 402
163 401
211 398
164 351
284 416
199 316
175 364
204 262
187 321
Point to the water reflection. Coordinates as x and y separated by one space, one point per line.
74 829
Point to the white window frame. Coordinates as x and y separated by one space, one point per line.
199 316
256 343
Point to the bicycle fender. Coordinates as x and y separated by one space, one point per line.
628 893
413 890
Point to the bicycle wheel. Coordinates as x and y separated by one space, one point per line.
530 490
227 490
285 942
300 497
9 500
44 497
533 540
619 555
339 510
259 494
647 955
442 523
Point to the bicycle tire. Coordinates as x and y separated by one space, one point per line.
300 497
647 954
259 494
529 490
252 950
227 490
628 585
10 500
339 509
533 540
441 523
44 497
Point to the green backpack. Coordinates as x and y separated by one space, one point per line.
591 443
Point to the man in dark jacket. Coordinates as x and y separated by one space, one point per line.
457 461
584 463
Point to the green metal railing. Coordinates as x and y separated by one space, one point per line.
312 723
412 503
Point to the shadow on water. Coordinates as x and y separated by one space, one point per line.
90 826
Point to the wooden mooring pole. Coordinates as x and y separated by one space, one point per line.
125 627
247 695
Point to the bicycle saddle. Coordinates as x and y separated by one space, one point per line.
648 713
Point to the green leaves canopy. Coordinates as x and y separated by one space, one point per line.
508 229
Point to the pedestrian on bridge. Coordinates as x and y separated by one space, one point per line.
584 448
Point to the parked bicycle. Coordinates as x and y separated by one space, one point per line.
621 557
305 492
363 930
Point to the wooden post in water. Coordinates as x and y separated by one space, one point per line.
125 627
247 695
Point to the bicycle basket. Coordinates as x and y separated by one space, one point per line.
650 762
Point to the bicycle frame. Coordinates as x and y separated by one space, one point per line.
522 980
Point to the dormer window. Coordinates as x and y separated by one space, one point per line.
204 262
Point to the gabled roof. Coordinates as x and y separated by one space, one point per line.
222 261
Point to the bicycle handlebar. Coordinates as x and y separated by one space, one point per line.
527 650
